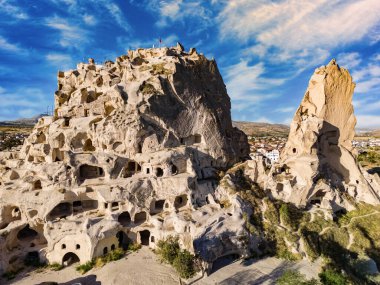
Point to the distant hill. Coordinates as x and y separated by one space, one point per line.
262 129
24 122
280 130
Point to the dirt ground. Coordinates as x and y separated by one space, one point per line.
144 268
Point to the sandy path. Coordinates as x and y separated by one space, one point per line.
143 268
137 268
264 271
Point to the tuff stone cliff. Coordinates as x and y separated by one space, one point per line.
131 154
318 164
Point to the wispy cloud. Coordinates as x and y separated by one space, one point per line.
243 80
8 7
291 109
294 27
170 11
71 34
81 9
6 45
368 121
367 78
21 102
89 20
349 60
115 11
61 61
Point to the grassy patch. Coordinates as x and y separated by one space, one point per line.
134 246
371 157
183 261
11 274
159 69
101 261
294 277
332 277
147 88
56 266
291 216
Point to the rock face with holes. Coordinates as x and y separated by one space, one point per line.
130 154
318 164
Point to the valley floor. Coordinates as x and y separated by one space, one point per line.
143 267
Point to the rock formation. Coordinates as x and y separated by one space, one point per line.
130 154
318 164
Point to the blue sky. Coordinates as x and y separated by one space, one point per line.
265 50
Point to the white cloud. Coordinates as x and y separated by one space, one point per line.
116 12
20 102
368 121
349 60
9 8
367 78
106 10
243 81
89 20
6 45
376 57
296 26
71 35
178 10
61 61
286 109
57 57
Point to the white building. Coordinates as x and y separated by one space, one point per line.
273 155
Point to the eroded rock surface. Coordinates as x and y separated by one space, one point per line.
318 164
130 154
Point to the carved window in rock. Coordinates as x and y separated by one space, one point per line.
37 185
77 206
87 146
157 206
8 215
66 122
27 234
144 237
159 172
131 168
84 205
197 138
114 206
180 201
57 155
61 211
124 219
140 218
88 205
174 169
317 198
90 171
41 138
70 258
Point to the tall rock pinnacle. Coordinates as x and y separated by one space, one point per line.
318 163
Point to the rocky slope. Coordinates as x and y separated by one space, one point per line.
143 148
130 155
318 164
